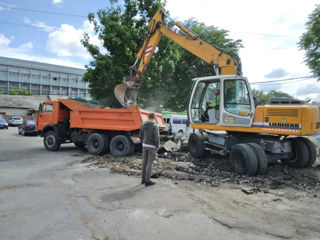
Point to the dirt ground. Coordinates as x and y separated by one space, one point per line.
69 194
216 171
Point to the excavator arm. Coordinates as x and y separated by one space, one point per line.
223 62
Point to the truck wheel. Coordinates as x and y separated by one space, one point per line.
96 143
244 159
195 145
261 158
121 146
312 150
301 156
51 141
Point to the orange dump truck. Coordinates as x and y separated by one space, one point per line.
91 126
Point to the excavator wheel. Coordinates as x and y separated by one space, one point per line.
244 159
300 154
196 145
312 150
261 158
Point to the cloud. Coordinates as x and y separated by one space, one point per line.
25 52
268 87
313 88
277 73
57 1
66 41
40 25
269 31
4 41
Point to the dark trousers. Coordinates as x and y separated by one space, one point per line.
148 158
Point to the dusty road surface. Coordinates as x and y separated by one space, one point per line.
70 195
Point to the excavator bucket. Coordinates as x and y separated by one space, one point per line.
126 92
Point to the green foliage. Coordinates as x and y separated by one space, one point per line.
310 42
264 97
19 92
122 30
189 66
167 81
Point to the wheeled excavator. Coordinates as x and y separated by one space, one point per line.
251 135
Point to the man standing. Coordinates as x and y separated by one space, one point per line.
149 135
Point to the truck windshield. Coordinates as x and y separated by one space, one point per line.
47 108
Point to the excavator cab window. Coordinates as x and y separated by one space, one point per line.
203 95
196 102
236 97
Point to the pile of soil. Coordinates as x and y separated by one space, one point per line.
215 171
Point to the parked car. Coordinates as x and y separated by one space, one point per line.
3 124
28 128
15 121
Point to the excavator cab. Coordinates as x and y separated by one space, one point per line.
221 100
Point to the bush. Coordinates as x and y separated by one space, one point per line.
19 92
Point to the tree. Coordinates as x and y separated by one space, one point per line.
310 42
264 97
189 66
167 80
122 30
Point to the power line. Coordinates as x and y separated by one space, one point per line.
18 24
295 79
42 11
266 34
80 16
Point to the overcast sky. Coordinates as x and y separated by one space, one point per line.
269 31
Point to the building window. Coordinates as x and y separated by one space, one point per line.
73 92
45 90
14 76
35 89
55 90
45 76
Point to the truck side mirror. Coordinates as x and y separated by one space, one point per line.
40 107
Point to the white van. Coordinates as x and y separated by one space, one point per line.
175 123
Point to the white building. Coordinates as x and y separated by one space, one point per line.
42 79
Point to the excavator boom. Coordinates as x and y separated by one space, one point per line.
223 62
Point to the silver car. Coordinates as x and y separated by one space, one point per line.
15 121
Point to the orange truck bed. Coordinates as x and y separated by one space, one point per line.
90 116
92 126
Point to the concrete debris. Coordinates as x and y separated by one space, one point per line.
214 170
169 146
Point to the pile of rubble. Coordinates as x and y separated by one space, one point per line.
212 170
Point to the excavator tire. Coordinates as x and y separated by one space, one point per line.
301 156
261 158
312 150
196 145
244 159
96 143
